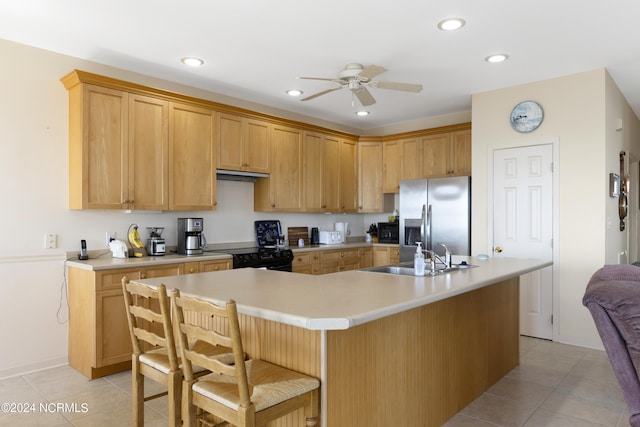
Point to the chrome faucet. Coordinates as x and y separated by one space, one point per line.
432 262
447 255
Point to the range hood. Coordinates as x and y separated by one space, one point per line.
231 175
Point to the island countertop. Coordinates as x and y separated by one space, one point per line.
339 300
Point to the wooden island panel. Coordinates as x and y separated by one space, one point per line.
420 367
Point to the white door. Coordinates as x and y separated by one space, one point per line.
523 227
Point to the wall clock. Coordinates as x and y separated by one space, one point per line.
526 116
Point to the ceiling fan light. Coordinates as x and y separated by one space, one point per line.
496 58
294 92
362 113
192 61
451 24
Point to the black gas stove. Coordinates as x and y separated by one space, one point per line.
271 258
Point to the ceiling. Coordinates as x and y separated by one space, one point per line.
254 50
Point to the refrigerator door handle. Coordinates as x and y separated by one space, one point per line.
429 244
423 228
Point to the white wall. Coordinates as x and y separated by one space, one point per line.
34 190
576 118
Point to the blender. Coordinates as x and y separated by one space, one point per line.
155 242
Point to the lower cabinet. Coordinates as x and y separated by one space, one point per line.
99 340
385 255
327 261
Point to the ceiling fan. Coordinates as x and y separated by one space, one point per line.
357 78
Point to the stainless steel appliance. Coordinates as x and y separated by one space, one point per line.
155 243
434 211
191 240
388 232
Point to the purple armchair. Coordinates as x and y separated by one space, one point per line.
613 298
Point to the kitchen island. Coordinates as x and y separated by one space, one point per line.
388 349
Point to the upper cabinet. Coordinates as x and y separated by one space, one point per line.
243 143
131 148
192 158
117 149
370 176
437 153
348 175
281 191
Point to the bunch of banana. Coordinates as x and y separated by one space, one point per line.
135 241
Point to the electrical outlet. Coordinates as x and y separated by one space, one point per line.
109 236
50 241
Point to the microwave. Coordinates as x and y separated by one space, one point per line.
388 232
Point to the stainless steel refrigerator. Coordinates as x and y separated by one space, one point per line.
434 211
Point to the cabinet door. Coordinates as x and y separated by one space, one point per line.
366 257
148 153
460 153
435 156
229 141
217 265
162 271
331 191
391 167
284 183
312 172
101 150
113 341
370 177
380 256
348 176
410 159
255 149
192 164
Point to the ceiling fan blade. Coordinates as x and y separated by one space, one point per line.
407 87
364 96
371 71
324 92
320 78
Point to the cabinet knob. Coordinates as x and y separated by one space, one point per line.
143 276
191 270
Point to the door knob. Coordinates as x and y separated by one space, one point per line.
498 249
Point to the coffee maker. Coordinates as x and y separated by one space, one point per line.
191 240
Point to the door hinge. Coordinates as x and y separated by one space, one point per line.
552 167
552 319
552 243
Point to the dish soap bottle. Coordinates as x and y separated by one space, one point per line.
418 261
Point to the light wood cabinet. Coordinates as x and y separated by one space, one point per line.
366 257
391 166
447 154
214 265
385 255
460 153
99 340
281 191
243 143
117 149
334 261
370 171
306 263
348 176
321 173
192 164
410 159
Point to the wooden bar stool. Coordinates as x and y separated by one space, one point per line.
243 393
154 349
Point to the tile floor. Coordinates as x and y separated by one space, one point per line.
555 385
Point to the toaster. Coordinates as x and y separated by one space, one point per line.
330 237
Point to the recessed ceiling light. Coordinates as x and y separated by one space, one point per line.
451 24
192 61
497 57
362 113
294 92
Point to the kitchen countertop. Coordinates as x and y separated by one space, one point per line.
339 300
104 260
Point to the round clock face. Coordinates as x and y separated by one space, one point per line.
526 116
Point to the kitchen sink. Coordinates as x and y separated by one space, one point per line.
406 269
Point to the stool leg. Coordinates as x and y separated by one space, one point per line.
137 381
